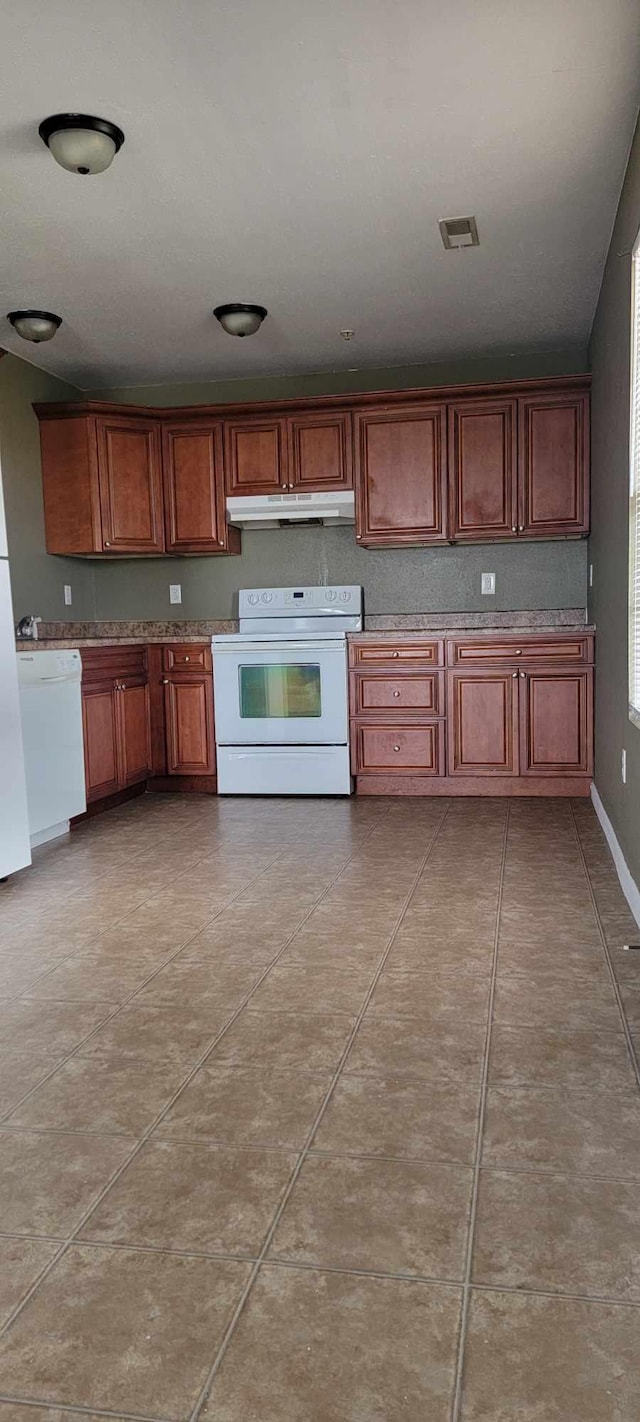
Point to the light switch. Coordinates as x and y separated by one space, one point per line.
175 592
487 582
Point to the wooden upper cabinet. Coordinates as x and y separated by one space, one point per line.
483 469
192 458
130 485
319 450
400 459
554 464
255 453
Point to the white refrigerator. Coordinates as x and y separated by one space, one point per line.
15 850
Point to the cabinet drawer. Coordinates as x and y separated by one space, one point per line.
412 692
405 750
525 649
393 656
112 662
189 657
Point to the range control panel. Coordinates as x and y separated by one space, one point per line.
289 602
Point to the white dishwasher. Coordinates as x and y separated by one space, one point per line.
51 716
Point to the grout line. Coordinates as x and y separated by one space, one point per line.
464 1316
195 1414
605 946
8 1322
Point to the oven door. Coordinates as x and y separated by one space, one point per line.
281 693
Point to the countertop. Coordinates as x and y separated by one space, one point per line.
392 626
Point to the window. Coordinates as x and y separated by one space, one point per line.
634 501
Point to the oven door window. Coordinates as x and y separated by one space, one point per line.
278 691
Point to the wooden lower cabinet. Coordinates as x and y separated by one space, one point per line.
116 719
515 716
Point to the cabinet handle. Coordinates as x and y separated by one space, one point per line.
396 693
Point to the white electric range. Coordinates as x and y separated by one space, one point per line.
281 692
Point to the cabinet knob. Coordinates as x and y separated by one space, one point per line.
396 693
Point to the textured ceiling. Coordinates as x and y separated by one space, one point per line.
298 153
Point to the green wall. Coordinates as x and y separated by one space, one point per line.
609 544
416 580
37 579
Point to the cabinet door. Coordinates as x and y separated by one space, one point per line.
194 488
556 722
483 469
320 452
101 736
130 485
189 725
554 465
482 723
400 475
134 732
255 452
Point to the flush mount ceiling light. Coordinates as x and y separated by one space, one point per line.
457 232
238 318
81 143
35 325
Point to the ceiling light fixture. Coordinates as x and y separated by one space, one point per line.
35 325
238 318
81 143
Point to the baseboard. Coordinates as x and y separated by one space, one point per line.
627 882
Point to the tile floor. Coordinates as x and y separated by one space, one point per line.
320 1112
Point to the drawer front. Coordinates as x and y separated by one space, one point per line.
187 657
394 655
412 692
405 750
117 663
573 650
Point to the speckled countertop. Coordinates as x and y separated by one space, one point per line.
393 625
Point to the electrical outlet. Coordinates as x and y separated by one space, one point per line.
623 767
67 595
175 592
487 583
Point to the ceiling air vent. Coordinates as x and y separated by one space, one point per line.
458 232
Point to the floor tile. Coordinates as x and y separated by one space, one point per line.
274 1039
395 1117
19 1074
531 1003
165 1315
388 1216
338 1348
537 1359
558 1233
91 978
209 1198
21 1261
171 1034
463 993
48 1181
48 1027
587 1058
312 987
587 1131
122 1096
449 1049
247 1106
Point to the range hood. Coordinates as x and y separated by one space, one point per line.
273 510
